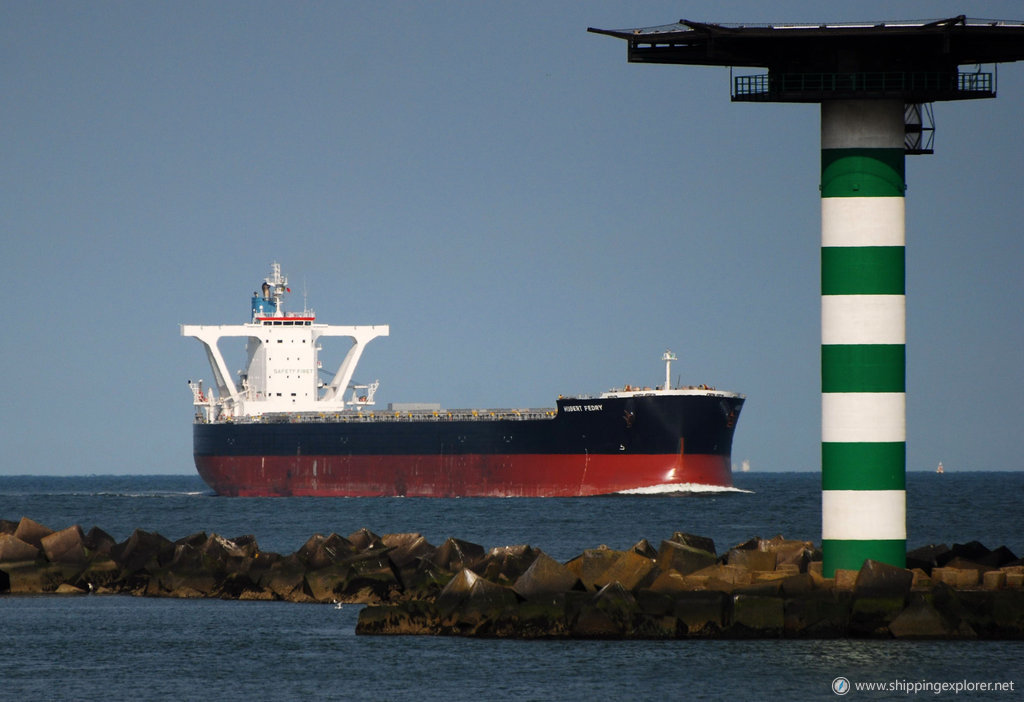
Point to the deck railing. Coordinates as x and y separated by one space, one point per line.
459 415
813 86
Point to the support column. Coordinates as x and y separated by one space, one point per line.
863 334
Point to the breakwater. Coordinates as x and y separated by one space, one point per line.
681 589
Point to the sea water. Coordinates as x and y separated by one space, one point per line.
118 647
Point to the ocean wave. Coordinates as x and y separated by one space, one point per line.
682 489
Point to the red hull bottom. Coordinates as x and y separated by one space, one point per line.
457 476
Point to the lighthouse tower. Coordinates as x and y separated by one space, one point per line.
875 83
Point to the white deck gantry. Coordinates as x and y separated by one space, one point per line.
281 373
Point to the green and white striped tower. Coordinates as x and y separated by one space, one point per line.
863 74
863 334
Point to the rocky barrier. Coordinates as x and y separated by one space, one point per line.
683 589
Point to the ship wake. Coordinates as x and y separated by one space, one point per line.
683 489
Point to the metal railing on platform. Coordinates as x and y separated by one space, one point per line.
810 86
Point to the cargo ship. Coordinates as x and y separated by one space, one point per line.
281 430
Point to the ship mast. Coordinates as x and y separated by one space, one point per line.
668 357
278 286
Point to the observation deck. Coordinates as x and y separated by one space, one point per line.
913 61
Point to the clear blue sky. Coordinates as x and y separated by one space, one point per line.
530 213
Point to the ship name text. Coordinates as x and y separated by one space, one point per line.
582 408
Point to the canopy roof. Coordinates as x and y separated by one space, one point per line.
845 47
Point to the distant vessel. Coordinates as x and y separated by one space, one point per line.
280 431
940 469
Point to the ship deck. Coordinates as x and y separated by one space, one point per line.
460 415
444 415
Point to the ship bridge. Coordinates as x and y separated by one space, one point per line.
282 362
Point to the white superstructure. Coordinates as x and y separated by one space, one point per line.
282 365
